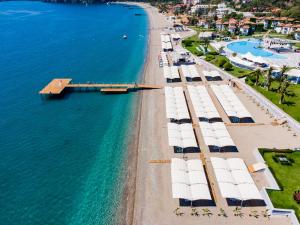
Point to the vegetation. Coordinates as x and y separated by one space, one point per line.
192 44
283 94
289 184
228 66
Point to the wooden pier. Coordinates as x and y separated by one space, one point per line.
57 86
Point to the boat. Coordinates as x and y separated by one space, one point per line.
124 36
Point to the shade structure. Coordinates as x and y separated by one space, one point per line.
235 182
164 59
233 107
212 75
189 182
182 138
216 137
171 74
257 167
253 58
166 43
190 73
176 107
175 37
203 105
241 63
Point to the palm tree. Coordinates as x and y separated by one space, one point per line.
254 214
238 212
283 76
206 212
194 212
257 73
283 90
206 43
269 77
266 213
222 213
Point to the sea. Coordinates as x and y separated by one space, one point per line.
64 160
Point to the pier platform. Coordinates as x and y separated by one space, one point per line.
57 86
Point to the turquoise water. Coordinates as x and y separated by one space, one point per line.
63 161
252 46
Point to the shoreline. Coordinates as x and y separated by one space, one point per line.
128 196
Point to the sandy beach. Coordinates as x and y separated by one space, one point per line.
148 196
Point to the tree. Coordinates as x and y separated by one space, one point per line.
283 90
228 66
257 73
269 77
282 76
206 43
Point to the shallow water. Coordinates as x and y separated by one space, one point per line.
62 160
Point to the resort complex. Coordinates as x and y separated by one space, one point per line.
150 113
205 136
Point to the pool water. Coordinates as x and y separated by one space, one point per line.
243 47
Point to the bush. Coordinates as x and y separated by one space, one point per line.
187 43
221 62
274 158
213 53
209 57
228 66
197 53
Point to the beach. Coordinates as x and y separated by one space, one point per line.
153 203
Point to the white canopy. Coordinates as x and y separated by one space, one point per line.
203 105
181 135
176 107
230 102
171 72
189 180
253 58
293 73
190 71
234 179
175 36
166 42
213 73
216 134
164 58
239 61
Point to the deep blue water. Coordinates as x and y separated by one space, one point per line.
63 161
243 47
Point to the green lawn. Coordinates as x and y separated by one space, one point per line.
198 29
288 177
292 102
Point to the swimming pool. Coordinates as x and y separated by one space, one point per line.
252 46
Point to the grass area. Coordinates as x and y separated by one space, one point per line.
288 178
191 44
235 71
292 101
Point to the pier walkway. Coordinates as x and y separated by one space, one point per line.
57 86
